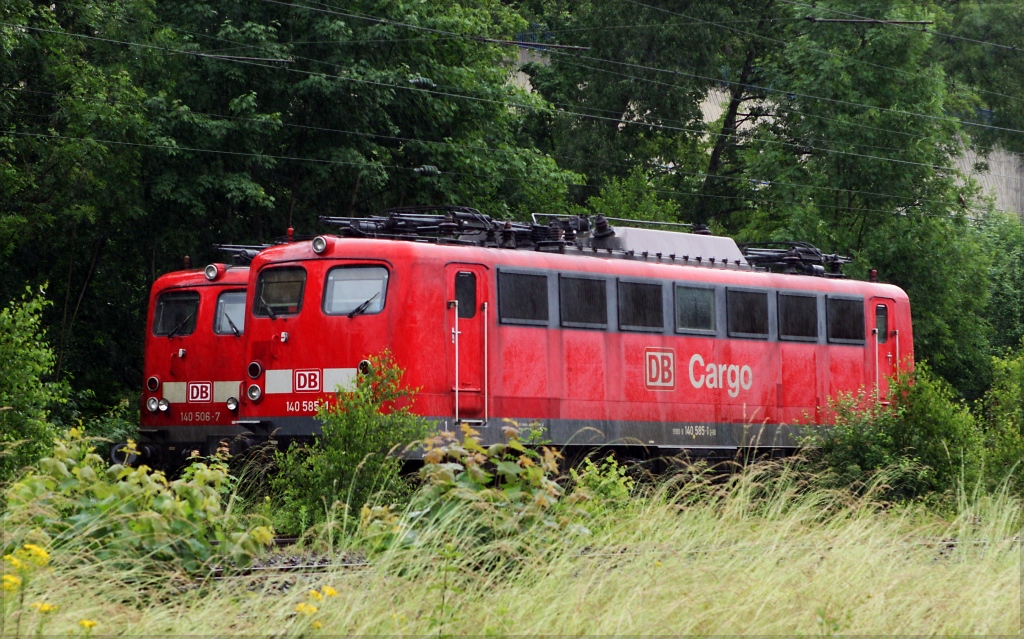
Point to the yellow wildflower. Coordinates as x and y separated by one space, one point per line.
14 561
658 564
44 607
305 608
88 624
330 592
315 595
37 554
11 582
317 625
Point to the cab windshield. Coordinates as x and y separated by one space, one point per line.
230 319
176 313
355 289
279 292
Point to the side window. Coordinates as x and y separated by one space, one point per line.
523 298
748 314
798 317
230 318
695 308
175 313
279 292
355 289
882 323
845 320
583 302
465 293
640 307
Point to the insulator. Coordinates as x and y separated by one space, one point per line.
427 170
602 228
423 83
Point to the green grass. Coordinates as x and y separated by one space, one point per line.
760 554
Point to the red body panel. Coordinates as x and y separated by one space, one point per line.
585 386
196 372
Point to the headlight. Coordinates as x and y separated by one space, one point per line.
254 369
164 405
319 244
232 404
152 404
254 392
211 272
153 383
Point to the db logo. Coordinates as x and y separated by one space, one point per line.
200 392
660 365
307 380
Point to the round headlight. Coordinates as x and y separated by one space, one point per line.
232 404
152 404
254 369
164 405
319 244
211 272
153 383
254 392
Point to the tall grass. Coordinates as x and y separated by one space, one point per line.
763 552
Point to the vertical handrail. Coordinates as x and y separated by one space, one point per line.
455 338
874 334
896 334
486 328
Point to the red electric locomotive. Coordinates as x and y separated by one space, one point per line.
193 363
619 336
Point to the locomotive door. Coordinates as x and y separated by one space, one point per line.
884 341
467 311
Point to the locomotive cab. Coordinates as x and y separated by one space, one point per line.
193 359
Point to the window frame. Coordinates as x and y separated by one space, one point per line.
501 301
582 276
676 285
778 317
257 291
764 337
216 312
839 340
632 328
327 275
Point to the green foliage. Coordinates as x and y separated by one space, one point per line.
1003 413
25 398
357 456
925 440
127 516
606 483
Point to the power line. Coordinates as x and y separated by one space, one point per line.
802 149
932 31
828 53
672 170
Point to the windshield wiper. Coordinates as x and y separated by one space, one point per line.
234 329
180 324
362 307
269 310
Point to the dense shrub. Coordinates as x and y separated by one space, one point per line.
357 455
926 440
1002 409
25 362
126 517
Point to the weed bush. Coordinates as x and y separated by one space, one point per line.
126 517
355 458
926 440
25 361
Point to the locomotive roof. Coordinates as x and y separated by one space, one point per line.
230 276
639 266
